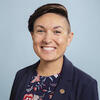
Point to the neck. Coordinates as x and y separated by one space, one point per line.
48 68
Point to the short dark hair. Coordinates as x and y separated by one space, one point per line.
47 8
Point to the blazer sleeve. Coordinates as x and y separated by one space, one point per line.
14 87
91 92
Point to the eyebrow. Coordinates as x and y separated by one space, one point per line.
53 27
58 27
40 26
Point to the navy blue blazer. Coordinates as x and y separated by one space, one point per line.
74 84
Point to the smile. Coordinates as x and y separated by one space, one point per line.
47 48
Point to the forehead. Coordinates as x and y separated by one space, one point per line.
51 20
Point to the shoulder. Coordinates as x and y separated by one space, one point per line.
83 83
77 76
82 77
74 73
27 70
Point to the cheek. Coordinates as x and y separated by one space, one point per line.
62 41
36 40
62 44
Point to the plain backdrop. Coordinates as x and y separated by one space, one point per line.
16 49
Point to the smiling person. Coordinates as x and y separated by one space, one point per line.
53 77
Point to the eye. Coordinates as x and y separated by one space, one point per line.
56 31
40 30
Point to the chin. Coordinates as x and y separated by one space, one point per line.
49 58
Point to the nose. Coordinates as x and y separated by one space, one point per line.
48 37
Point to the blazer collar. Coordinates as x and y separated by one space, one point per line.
67 69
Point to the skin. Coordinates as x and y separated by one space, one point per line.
50 40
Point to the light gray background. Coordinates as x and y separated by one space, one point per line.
16 50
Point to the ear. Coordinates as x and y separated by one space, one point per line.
32 35
70 37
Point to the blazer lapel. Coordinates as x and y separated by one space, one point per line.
63 89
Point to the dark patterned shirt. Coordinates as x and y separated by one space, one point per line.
41 87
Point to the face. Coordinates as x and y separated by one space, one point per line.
51 37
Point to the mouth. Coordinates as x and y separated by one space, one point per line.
48 48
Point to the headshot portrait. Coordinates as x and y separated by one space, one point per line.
53 77
50 50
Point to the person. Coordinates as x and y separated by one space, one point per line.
53 77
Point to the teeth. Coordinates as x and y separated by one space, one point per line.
48 48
